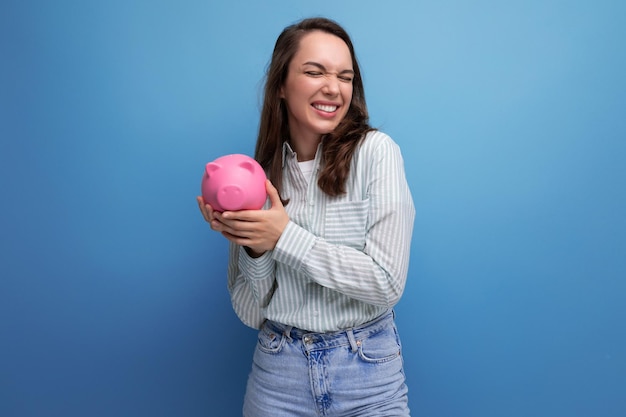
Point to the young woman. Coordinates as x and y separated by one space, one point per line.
319 270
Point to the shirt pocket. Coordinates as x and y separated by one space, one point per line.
346 223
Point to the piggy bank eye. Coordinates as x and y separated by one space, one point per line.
211 167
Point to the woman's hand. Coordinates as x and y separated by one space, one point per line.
205 209
258 230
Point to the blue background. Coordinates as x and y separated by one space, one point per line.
510 115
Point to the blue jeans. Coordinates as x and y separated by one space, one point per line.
356 372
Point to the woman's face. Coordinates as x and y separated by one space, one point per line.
318 88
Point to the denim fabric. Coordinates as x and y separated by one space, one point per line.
357 372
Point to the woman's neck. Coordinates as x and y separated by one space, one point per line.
305 149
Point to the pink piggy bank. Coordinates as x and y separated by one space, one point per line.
234 182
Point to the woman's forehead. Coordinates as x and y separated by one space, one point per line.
323 48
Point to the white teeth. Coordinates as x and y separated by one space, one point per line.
322 107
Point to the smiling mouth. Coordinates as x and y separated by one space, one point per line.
325 108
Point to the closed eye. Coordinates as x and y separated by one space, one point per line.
316 74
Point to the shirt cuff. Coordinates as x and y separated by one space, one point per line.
293 245
256 268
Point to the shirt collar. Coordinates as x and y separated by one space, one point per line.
288 152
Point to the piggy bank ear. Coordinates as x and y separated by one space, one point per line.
248 166
211 167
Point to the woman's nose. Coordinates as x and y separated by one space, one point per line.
331 85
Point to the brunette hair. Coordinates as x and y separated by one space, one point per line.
339 145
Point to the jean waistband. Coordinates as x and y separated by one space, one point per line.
351 335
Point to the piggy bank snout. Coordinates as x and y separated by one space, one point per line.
231 197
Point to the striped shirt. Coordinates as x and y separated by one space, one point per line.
341 261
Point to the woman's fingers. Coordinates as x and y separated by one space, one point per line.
272 192
203 208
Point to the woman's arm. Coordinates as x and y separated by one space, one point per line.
250 284
251 269
372 268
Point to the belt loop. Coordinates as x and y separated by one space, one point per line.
353 343
287 333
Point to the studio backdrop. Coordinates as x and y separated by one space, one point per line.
510 118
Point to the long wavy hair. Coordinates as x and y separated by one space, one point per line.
339 145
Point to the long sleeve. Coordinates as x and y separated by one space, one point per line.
250 284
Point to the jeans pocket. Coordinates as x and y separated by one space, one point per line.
269 341
381 347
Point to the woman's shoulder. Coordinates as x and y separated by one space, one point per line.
377 141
